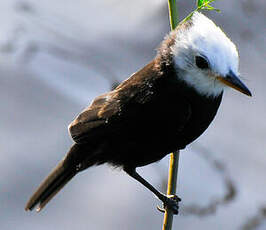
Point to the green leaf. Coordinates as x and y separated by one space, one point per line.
201 5
200 2
209 8
217 10
205 5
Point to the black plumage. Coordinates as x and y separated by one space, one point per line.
149 115
146 117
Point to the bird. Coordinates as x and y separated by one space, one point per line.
160 109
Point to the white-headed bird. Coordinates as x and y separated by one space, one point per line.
159 109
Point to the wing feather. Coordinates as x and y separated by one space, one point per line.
136 101
93 117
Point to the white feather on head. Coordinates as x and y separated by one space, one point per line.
203 38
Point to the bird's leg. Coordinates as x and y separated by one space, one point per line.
170 202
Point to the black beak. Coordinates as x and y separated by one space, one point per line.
233 81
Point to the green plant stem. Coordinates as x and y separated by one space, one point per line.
173 14
174 157
171 188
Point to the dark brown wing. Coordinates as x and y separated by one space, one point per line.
94 118
138 100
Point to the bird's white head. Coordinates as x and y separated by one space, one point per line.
205 58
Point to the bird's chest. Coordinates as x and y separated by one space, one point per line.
202 113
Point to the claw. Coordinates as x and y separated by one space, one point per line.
160 209
171 202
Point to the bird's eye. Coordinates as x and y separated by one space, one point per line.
201 62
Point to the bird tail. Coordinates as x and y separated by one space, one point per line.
51 185
58 178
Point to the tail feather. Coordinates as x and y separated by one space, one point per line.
53 183
75 161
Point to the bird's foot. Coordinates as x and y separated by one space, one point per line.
170 202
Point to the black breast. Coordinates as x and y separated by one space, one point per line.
174 117
145 118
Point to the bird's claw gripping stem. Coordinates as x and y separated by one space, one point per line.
170 202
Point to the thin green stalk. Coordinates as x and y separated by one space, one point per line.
173 14
174 157
171 188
